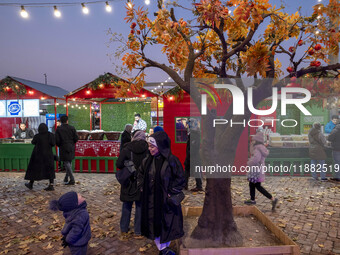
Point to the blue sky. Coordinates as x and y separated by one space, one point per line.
73 50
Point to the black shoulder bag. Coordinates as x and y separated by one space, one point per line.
124 174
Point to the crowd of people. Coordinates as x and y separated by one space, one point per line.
151 178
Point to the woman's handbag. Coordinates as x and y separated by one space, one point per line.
124 174
176 199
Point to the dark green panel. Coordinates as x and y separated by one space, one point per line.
113 117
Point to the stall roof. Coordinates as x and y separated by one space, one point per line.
50 90
104 93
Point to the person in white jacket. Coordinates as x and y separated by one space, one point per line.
256 175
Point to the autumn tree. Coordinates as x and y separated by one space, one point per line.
230 39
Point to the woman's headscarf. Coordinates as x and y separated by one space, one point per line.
138 135
128 128
42 128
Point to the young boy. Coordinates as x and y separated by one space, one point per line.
76 231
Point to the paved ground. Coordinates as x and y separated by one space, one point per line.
309 212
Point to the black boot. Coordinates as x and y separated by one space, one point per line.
49 187
70 183
29 185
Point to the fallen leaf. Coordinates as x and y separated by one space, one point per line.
143 249
92 245
42 237
321 245
49 246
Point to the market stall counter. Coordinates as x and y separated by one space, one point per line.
93 154
289 155
15 154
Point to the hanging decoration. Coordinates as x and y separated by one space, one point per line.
175 94
8 85
57 13
106 79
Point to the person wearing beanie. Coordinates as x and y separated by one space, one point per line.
136 150
157 129
317 153
41 165
76 231
161 179
256 174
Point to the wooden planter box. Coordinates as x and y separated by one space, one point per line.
287 247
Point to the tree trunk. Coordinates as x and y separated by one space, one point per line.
216 226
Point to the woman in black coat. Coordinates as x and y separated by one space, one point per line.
41 165
137 149
126 136
160 177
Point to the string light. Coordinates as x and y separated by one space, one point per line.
108 8
23 12
85 9
129 4
147 2
57 13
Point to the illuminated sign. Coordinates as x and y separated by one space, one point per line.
2 108
19 108
31 108
14 108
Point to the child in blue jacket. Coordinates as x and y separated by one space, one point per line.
76 231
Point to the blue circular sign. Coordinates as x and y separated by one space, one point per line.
14 108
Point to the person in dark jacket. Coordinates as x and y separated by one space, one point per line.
160 177
23 132
136 150
334 138
66 137
193 144
76 231
317 143
41 165
126 136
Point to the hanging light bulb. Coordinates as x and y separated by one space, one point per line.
108 7
85 9
23 12
129 4
147 2
57 13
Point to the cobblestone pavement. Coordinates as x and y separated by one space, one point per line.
309 213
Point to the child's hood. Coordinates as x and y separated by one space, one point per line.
71 214
262 149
